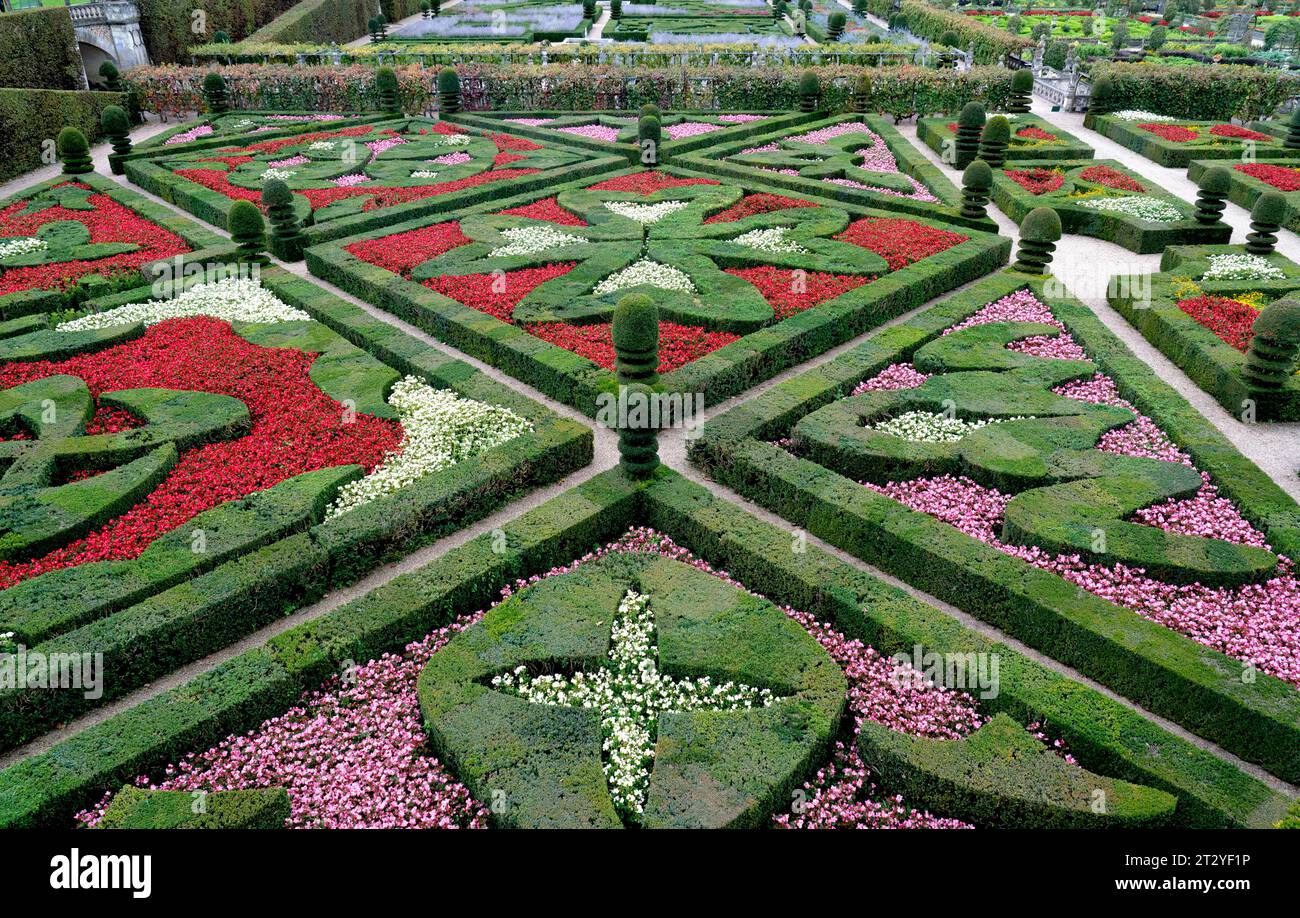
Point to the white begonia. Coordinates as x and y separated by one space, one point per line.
282 174
775 239
529 240
645 213
454 140
1133 114
930 427
440 428
649 272
424 174
232 300
22 245
1241 267
321 146
1141 207
631 694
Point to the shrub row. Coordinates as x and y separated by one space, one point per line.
324 21
1179 155
168 26
38 50
1214 91
934 133
30 119
991 45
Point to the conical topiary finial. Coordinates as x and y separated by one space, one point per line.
448 91
1101 102
648 134
1292 141
248 230
970 123
835 26
386 88
994 141
976 183
1271 359
74 152
116 125
635 332
286 232
1022 87
1212 195
862 94
1039 233
214 93
810 90
1266 218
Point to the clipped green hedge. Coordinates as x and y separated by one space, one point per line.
991 45
1179 155
1246 189
38 50
135 808
325 21
1219 91
934 133
31 117
169 26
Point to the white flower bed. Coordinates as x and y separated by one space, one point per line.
649 272
630 693
22 245
282 174
322 146
232 300
645 213
439 429
529 240
1241 267
770 240
929 427
424 174
1140 207
1134 114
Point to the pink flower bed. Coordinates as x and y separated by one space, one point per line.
876 158
194 133
740 119
379 146
531 122
291 161
592 132
354 178
690 129
452 159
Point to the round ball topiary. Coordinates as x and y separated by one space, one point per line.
636 324
1102 99
650 108
976 182
1269 208
74 152
248 229
386 88
116 125
994 141
1215 180
1280 322
111 76
1212 196
1292 141
1042 224
810 88
835 26
1271 359
1022 81
977 175
950 38
275 193
448 91
214 93
972 115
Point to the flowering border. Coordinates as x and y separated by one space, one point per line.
936 132
1178 155
1246 188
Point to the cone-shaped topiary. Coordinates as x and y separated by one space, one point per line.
970 123
862 94
1292 141
1102 100
615 9
1271 360
116 125
589 10
835 26
648 133
435 7
386 88
1039 233
214 93
976 183
74 152
286 233
248 230
424 9
994 141
373 27
810 90
1212 196
650 108
1022 87
111 76
1266 219
448 91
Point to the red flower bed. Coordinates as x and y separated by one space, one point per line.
108 222
899 241
1171 132
496 294
648 183
296 428
402 252
446 127
1110 177
546 209
778 287
505 158
1036 181
216 180
678 344
1283 178
1034 133
1237 133
1230 320
509 142
752 204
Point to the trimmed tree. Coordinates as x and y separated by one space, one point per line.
1265 220
1271 359
214 93
1039 233
648 134
835 26
286 232
1022 87
74 152
248 230
970 123
1292 141
111 76
810 90
116 125
976 184
862 94
615 9
448 91
1102 100
635 333
994 141
386 87
1212 195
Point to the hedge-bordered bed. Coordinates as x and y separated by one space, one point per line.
1103 735
731 314
1204 690
1206 336
218 130
1176 143
1103 199
1032 137
269 538
1250 180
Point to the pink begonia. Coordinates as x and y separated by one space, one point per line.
291 161
304 117
201 130
452 159
875 158
740 119
592 132
690 129
379 146
351 179
531 122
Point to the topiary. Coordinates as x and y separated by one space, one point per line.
248 229
74 152
615 9
1212 195
969 125
424 9
381 25
650 108
1039 233
835 26
778 9
1266 218
435 7
950 38
1101 102
111 76
648 133
976 183
214 93
448 91
286 231
1022 87
994 141
1271 359
589 10
860 7
810 90
1292 141
386 88
635 333
862 94
116 125
373 27
220 38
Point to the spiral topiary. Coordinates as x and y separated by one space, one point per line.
1292 141
810 90
835 26
1212 195
248 229
1102 100
635 332
1271 359
1039 233
862 94
111 76
976 184
589 10
616 9
424 9
116 125
286 232
386 88
648 134
448 91
214 93
778 9
994 141
74 152
650 108
970 123
1266 219
1022 87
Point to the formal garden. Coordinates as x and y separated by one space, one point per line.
698 414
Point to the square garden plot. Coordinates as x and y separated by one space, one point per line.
1201 315
1176 142
180 471
699 20
455 719
1032 137
218 130
349 179
1105 200
747 281
1004 452
1250 180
